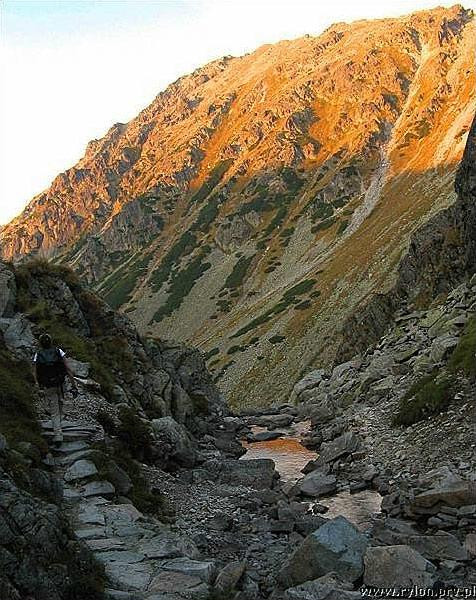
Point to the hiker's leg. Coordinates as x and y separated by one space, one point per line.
53 395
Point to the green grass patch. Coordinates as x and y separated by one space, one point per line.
321 210
182 283
206 216
323 225
288 298
463 356
122 283
303 287
215 176
211 353
234 349
183 246
238 273
428 396
342 227
303 305
18 419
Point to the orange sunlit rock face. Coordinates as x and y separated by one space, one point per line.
307 160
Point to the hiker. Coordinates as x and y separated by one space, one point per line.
50 371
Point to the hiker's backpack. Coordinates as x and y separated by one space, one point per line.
50 369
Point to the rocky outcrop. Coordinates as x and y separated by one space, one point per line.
53 502
337 546
439 257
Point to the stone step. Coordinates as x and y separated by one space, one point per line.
68 459
71 447
71 436
97 488
119 595
65 424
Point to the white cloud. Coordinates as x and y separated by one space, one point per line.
60 92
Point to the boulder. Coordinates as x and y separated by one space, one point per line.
336 546
441 346
80 369
323 410
228 578
177 445
183 405
17 335
264 436
380 366
340 371
452 492
119 478
470 543
258 474
402 566
310 381
343 445
275 421
441 546
316 484
127 573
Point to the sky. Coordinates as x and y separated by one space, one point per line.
69 69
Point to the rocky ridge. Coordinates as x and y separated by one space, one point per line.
324 152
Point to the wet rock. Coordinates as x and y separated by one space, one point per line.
337 546
316 484
401 565
264 436
275 421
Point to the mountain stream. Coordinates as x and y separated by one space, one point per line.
290 456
